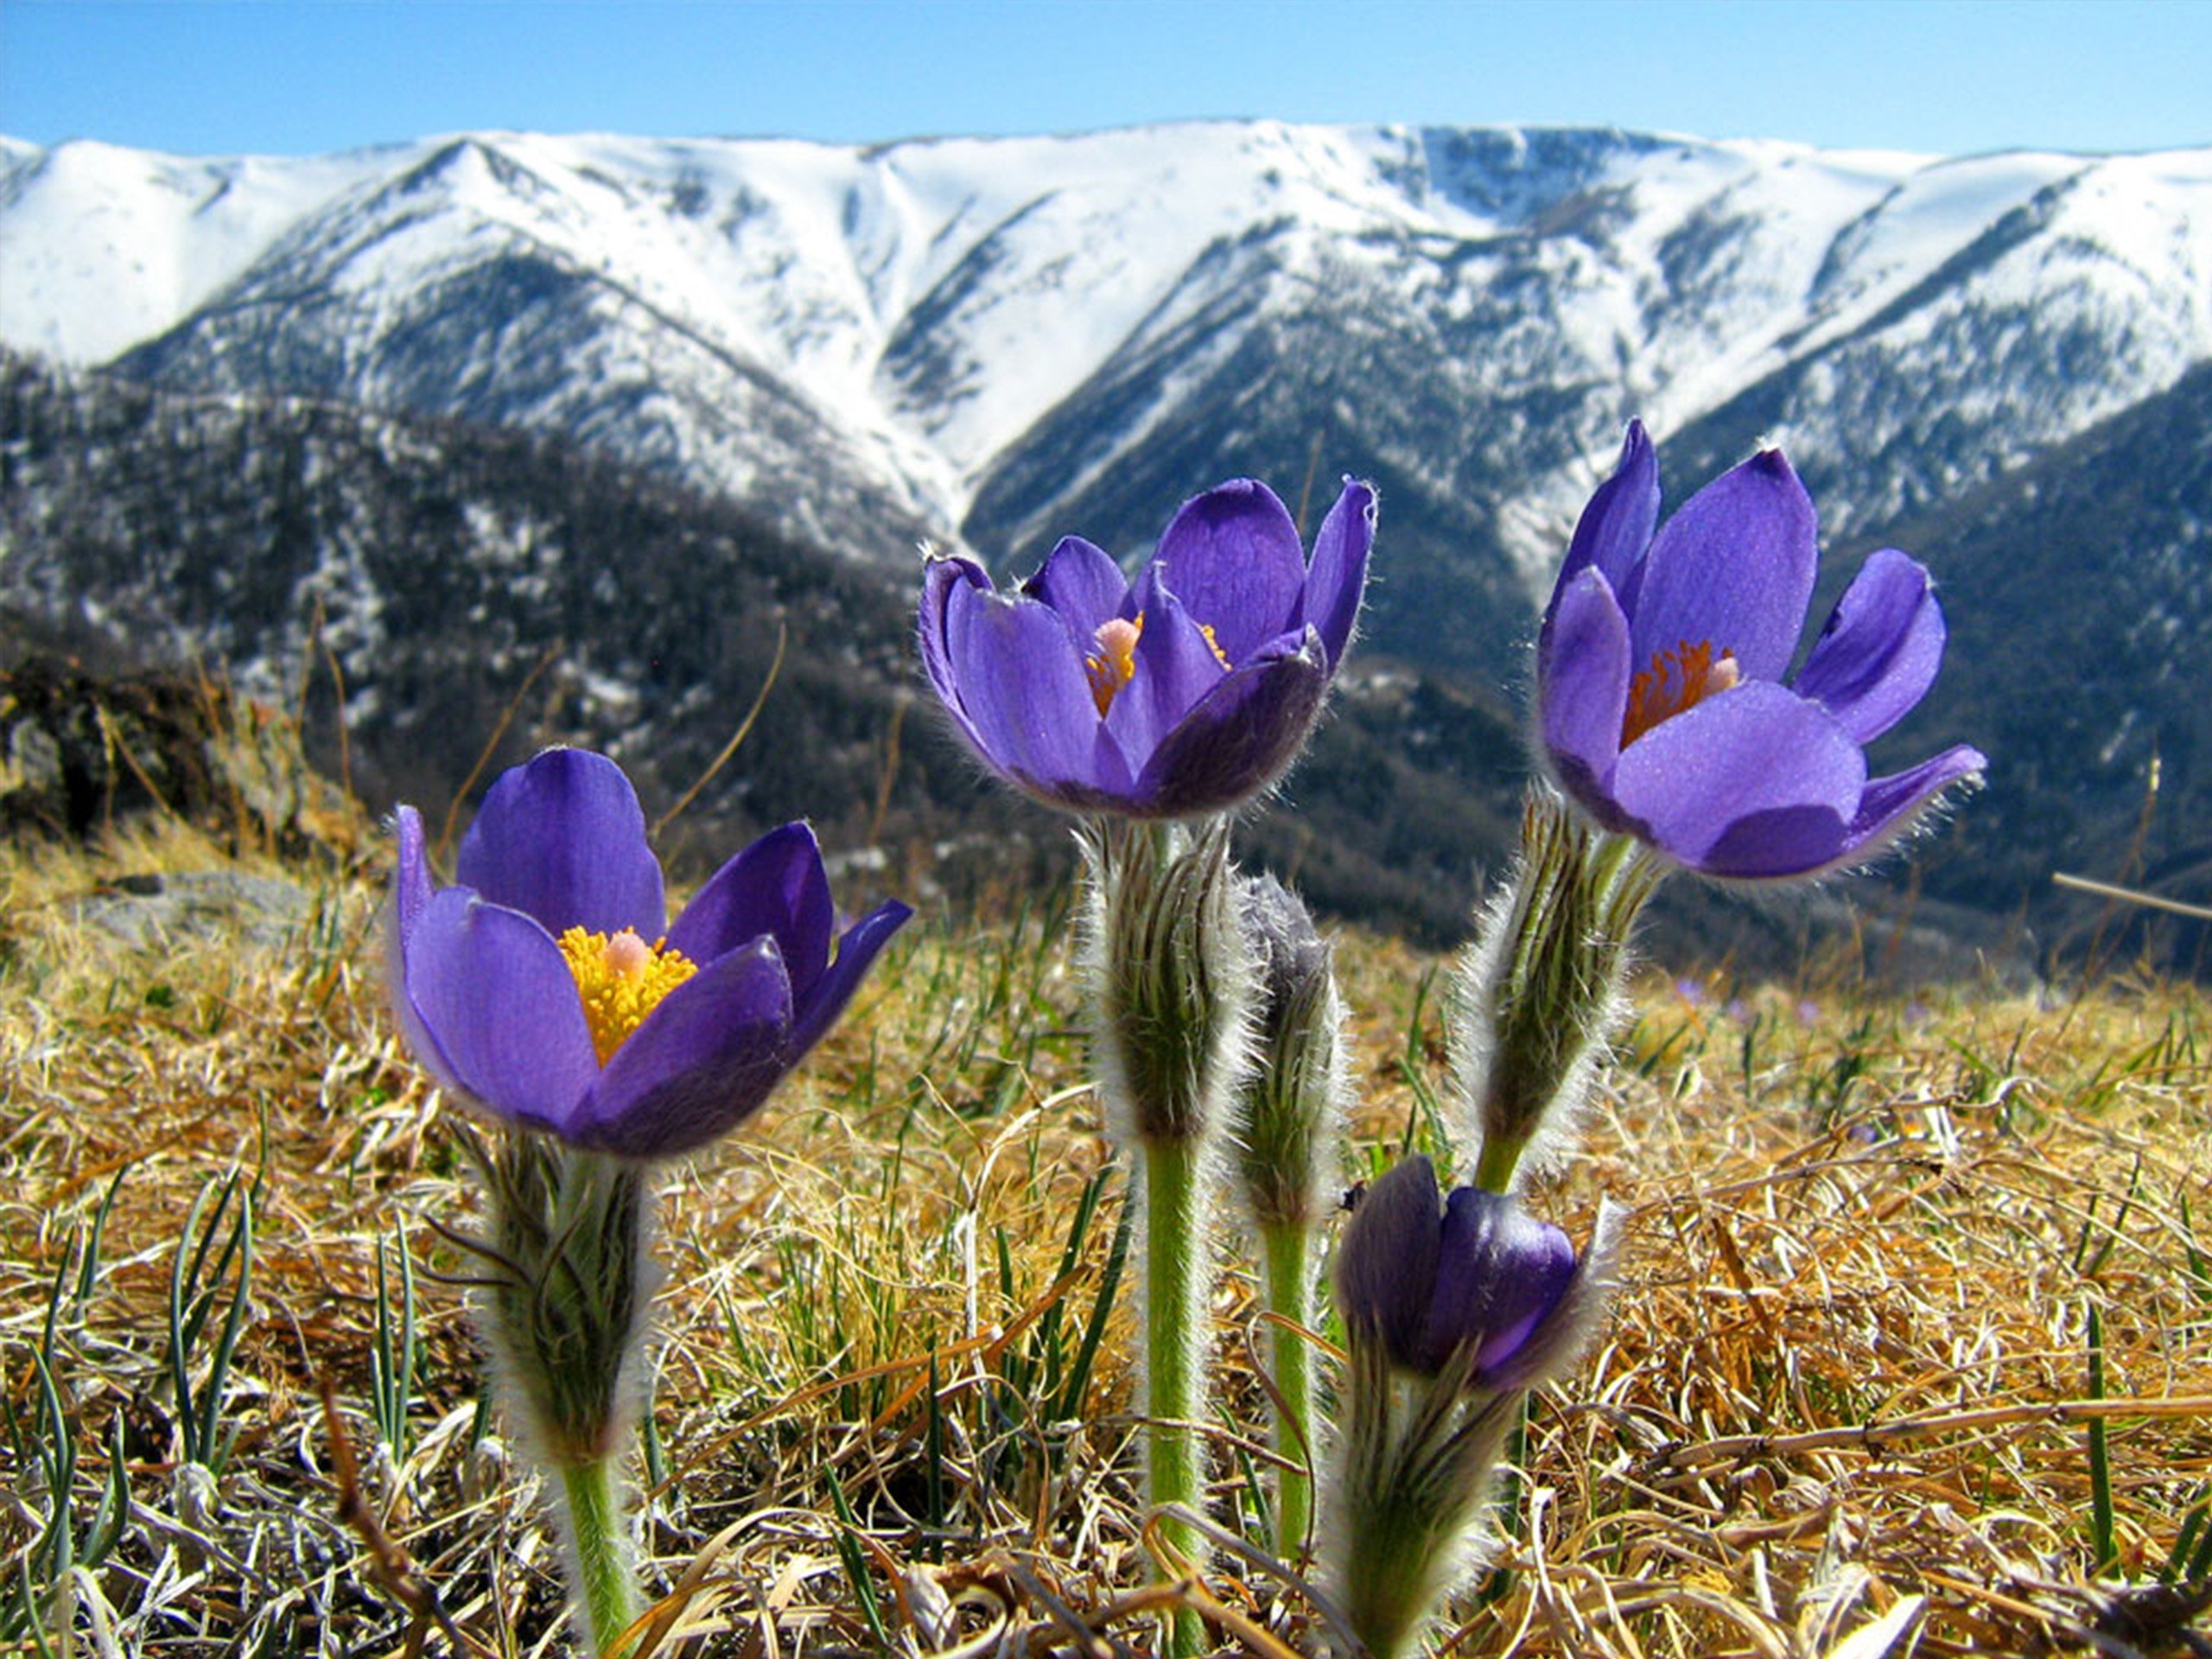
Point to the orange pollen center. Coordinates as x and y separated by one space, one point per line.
621 980
1116 663
1677 679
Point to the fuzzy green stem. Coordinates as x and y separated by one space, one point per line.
1175 1280
604 1591
1288 1251
1390 1574
1494 1169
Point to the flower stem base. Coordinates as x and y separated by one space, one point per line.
1177 1274
602 1578
1288 1254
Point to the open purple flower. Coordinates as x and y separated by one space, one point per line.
1483 1284
547 985
1188 690
1660 678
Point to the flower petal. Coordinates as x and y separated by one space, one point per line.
562 839
1241 738
775 888
1878 653
1174 667
411 885
1500 1272
1615 529
1558 1340
704 1060
1337 578
1022 686
411 892
495 993
1582 677
1747 783
1082 583
1733 567
940 578
1232 558
1889 805
819 1010
1387 1264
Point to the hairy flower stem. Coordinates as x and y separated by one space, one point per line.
568 1285
1178 1279
1494 1169
1170 981
1390 1577
1414 1468
1287 1251
1540 995
598 1550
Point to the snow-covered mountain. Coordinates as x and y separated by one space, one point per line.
2000 363
993 341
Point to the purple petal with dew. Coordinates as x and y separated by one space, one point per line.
1616 528
856 953
562 839
1756 750
940 578
1582 678
1500 1272
1337 578
1891 805
704 1060
1878 653
775 888
1232 557
1734 567
1387 1264
1241 739
1175 668
1082 583
496 995
1022 684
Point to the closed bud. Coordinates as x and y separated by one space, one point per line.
1452 1312
1293 1098
1474 1289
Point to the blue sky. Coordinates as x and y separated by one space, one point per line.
301 76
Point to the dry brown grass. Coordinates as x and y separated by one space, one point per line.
1849 1370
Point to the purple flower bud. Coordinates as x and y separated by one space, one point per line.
1477 1283
1661 677
1188 690
548 986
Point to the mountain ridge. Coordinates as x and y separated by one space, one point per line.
903 322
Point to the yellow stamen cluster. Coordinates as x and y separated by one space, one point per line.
1677 679
1116 663
621 979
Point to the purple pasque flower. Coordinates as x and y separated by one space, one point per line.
548 986
1186 691
1475 1280
1660 678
